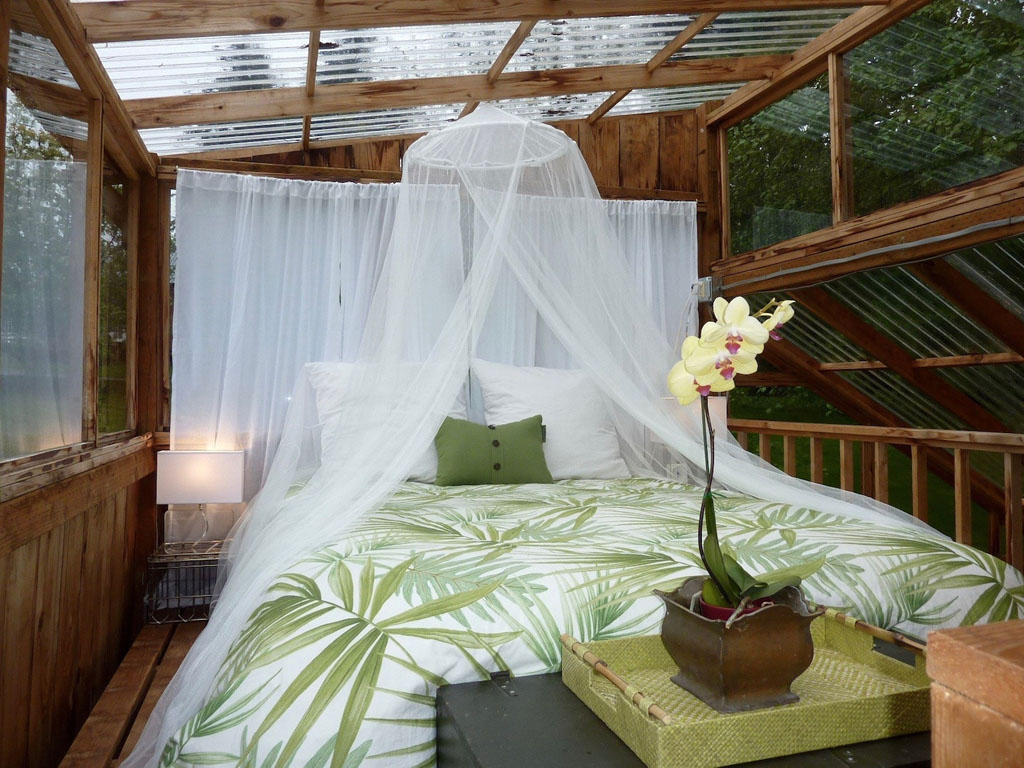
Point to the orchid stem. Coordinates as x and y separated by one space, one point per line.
708 431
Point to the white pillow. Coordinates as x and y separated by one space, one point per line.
331 383
581 438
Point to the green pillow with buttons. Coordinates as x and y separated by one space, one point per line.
475 454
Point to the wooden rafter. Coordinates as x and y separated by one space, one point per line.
976 303
930 226
837 315
360 96
149 19
65 30
811 60
691 30
504 57
311 61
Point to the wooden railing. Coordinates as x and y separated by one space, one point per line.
946 453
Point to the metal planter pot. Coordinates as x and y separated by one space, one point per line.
750 665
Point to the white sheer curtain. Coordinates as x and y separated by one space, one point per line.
275 273
271 274
41 310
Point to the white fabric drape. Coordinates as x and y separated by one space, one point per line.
41 310
271 274
527 196
275 273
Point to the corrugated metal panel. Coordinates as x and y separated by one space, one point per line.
746 33
811 335
382 122
890 390
198 138
670 99
571 106
37 57
998 268
205 64
589 42
390 53
61 125
911 314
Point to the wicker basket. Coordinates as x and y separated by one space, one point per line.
180 579
850 694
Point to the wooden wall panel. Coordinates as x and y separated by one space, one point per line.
66 620
643 152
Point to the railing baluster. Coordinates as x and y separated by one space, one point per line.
846 465
919 481
867 469
741 438
882 472
789 455
764 447
1013 463
962 494
817 460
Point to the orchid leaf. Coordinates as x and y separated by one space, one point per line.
772 583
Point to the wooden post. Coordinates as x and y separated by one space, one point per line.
91 321
919 481
882 472
841 138
846 465
962 494
709 185
867 469
1012 464
131 236
723 190
789 455
817 460
741 438
764 447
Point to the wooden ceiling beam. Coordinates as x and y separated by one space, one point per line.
112 20
976 303
351 97
811 60
849 323
504 57
311 60
65 30
691 30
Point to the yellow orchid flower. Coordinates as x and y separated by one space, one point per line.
783 314
686 387
734 327
705 360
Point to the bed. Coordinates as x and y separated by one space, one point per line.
445 585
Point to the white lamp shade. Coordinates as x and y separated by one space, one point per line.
718 407
199 477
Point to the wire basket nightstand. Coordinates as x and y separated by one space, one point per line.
180 579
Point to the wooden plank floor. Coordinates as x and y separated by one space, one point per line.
117 720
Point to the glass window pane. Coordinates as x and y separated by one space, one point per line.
41 309
113 341
779 170
937 100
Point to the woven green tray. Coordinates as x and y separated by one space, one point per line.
849 694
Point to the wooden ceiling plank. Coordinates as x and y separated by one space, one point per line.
811 60
691 30
349 97
975 302
847 322
66 32
311 61
152 19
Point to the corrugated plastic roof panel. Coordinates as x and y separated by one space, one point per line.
197 138
591 42
998 268
818 339
889 389
151 68
37 57
747 33
382 122
62 125
392 53
670 99
999 388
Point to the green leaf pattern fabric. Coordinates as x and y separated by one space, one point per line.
339 665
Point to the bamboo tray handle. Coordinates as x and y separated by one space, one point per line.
886 635
635 695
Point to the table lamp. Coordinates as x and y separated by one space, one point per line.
199 478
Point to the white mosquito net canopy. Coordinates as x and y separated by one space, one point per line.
493 208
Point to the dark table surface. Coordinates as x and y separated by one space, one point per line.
544 725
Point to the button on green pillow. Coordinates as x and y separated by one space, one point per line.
474 454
